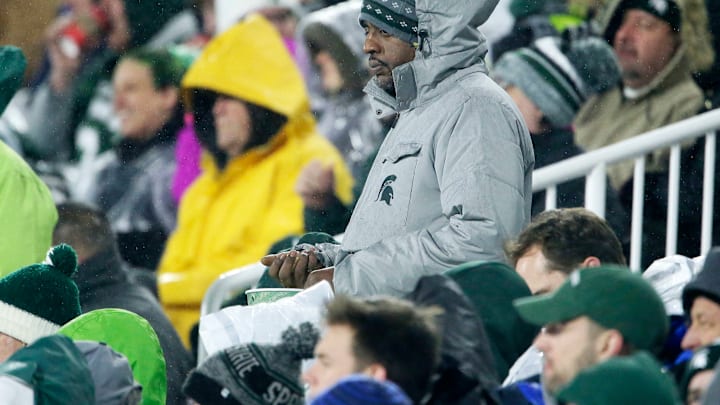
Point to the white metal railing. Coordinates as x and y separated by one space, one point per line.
229 283
222 289
592 165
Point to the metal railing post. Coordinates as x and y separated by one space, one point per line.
670 136
595 190
638 205
708 193
551 198
671 231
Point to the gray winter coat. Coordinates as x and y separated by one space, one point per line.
452 180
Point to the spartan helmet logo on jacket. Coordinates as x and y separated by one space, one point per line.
386 192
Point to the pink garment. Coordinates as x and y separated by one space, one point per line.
187 158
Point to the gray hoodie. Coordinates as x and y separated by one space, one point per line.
452 180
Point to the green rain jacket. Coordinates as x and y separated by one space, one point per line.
131 335
27 210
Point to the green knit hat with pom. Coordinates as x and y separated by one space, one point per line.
36 300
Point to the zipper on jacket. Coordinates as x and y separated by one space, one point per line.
423 36
395 120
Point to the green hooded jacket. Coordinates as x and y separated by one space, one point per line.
131 335
27 210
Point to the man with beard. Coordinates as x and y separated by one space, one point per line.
658 44
597 314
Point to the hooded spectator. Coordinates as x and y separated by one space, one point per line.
131 336
701 302
254 121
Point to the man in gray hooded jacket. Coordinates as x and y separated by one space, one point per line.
452 180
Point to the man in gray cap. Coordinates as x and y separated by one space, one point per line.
701 302
452 180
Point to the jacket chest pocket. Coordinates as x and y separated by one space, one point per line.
382 211
393 191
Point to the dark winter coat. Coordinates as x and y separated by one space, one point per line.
104 283
134 190
466 373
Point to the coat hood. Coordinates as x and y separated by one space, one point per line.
228 12
335 30
250 62
491 287
694 30
132 336
465 372
449 40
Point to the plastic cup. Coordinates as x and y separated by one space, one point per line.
265 295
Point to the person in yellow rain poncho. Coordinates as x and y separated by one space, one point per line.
252 115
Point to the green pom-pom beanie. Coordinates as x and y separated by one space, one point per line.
36 300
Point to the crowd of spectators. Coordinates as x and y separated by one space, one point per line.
147 148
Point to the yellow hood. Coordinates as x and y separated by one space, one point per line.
249 61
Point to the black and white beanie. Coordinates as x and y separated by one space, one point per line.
559 74
666 10
396 17
255 374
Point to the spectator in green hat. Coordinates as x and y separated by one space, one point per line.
597 314
556 243
626 380
36 300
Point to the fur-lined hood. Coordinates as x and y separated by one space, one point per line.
695 33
